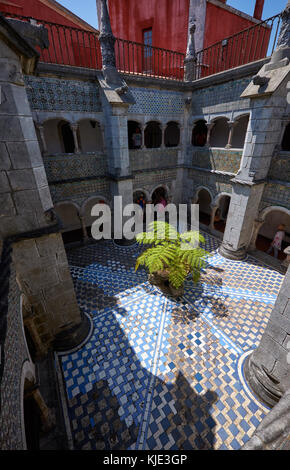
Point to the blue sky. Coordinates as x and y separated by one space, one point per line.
87 10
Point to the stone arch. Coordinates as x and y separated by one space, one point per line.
163 190
241 123
221 206
153 134
87 218
69 214
90 135
219 134
172 134
58 136
134 134
204 198
266 226
28 376
139 191
199 133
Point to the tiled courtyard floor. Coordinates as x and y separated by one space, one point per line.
162 374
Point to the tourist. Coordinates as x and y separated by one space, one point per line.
277 240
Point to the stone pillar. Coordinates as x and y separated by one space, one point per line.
163 127
267 369
84 228
74 128
40 129
209 126
27 219
267 93
231 125
143 136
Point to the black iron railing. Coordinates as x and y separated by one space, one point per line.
79 47
249 45
137 58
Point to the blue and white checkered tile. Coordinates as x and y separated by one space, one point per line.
163 374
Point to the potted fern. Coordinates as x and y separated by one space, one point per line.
171 256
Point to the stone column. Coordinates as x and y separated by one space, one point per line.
209 126
84 228
74 128
267 369
231 125
42 137
143 136
163 127
28 223
267 93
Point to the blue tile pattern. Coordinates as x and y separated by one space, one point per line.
157 373
162 102
53 94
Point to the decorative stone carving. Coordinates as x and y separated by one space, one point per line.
281 55
190 58
34 34
107 42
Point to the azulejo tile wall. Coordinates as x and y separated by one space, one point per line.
53 94
215 183
217 159
211 98
276 195
146 159
153 178
280 168
74 166
152 101
79 191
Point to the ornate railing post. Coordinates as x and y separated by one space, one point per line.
190 58
107 43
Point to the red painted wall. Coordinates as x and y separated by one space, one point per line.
168 20
221 23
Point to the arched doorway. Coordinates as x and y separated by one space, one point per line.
71 223
153 135
221 213
134 135
204 202
172 134
159 194
272 220
199 134
86 210
219 135
58 136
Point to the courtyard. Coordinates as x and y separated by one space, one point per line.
156 373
